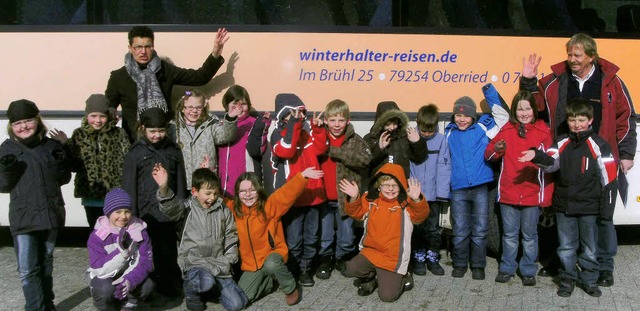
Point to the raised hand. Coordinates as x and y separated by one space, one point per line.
350 188
530 65
412 134
415 189
234 110
385 140
159 174
218 44
317 119
205 161
313 173
58 135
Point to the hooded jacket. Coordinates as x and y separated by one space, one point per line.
400 150
522 183
97 154
388 224
138 181
586 174
33 177
468 165
260 236
294 149
209 237
210 133
105 260
434 174
618 123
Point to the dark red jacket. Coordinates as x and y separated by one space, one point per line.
522 183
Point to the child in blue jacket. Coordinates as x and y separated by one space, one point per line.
435 176
468 137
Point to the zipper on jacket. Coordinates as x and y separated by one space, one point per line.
251 244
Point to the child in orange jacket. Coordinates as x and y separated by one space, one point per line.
389 210
263 249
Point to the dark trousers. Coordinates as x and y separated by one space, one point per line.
390 284
102 293
164 244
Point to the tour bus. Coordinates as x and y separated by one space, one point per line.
59 66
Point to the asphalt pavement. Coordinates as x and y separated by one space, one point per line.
338 293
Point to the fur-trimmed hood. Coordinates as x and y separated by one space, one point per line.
403 122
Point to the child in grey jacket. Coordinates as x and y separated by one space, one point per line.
209 243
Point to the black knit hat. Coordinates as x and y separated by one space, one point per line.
97 103
22 109
466 106
154 118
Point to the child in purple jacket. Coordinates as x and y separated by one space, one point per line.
120 256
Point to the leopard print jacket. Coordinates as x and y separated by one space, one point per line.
98 157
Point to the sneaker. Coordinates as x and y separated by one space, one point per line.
605 279
294 297
528 280
325 268
477 273
419 268
503 277
407 280
433 263
566 287
592 290
458 272
367 287
306 279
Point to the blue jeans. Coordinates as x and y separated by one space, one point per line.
301 231
340 227
34 251
470 222
578 236
607 244
199 282
516 219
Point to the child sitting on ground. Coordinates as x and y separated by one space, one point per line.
209 244
263 249
389 209
120 256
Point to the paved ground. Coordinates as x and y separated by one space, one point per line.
337 293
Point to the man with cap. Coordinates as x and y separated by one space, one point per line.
146 81
468 137
120 256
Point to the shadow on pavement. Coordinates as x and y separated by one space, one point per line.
74 300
